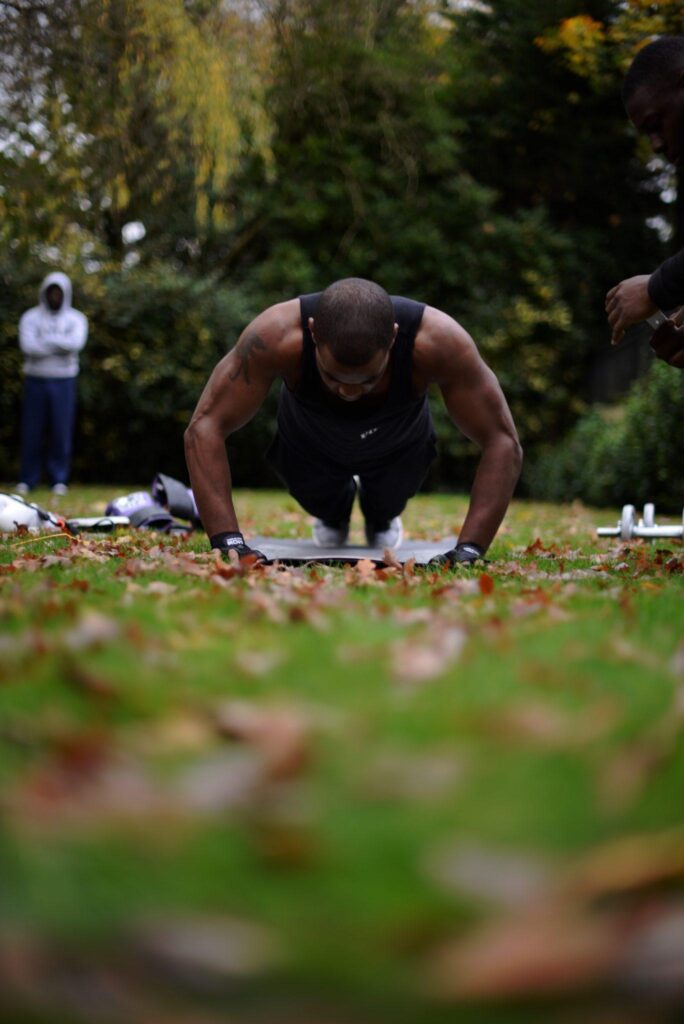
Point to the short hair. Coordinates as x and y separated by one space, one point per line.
655 66
354 319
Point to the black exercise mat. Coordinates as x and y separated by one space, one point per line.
294 551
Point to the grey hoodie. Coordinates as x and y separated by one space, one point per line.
51 340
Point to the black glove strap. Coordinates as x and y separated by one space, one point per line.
468 547
227 540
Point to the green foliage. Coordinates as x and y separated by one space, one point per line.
375 176
18 291
631 453
126 110
544 138
595 49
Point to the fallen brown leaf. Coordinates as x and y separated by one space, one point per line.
206 953
550 726
630 864
416 660
413 777
501 878
92 630
551 950
282 735
258 663
485 583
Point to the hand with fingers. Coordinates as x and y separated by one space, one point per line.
232 540
668 341
627 304
465 553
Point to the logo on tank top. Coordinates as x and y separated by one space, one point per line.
367 433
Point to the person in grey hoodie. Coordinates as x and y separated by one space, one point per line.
51 335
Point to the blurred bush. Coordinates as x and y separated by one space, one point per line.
630 453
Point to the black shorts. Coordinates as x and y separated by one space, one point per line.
326 488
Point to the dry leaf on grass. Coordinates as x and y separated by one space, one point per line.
258 663
677 663
206 953
552 950
365 571
486 584
281 735
88 680
546 725
501 878
160 588
114 791
416 778
653 966
91 630
624 776
456 587
629 865
612 923
221 783
178 733
36 977
428 656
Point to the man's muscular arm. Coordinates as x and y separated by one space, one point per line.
447 355
233 394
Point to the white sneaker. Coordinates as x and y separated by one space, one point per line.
325 536
389 538
60 489
22 488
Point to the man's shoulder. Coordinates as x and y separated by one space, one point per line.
278 331
30 314
439 331
442 345
279 322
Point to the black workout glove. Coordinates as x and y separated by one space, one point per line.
232 540
466 553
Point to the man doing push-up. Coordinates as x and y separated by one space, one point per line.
353 415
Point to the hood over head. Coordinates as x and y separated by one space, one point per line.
63 282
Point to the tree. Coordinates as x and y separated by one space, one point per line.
381 171
539 132
598 51
126 110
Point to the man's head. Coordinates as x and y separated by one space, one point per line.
653 94
55 291
54 296
353 331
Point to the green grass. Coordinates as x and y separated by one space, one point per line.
544 722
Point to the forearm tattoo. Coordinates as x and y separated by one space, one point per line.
244 350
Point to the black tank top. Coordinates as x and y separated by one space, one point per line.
354 433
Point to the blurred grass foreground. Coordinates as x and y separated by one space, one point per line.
341 795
